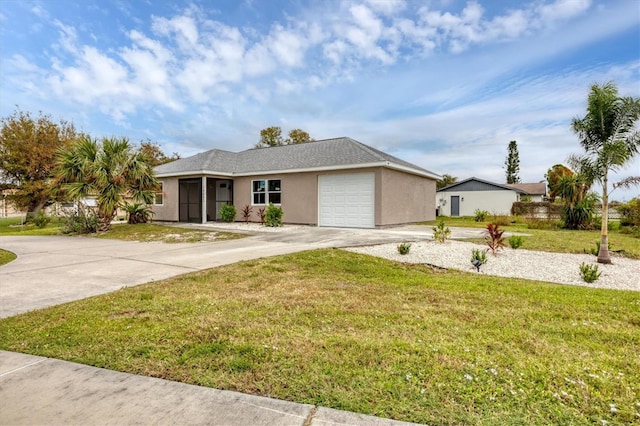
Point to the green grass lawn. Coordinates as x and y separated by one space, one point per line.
364 334
169 234
6 257
146 232
555 240
15 226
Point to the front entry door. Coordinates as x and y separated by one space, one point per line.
190 200
455 205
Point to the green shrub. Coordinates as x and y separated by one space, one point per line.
404 248
516 241
82 220
630 213
41 220
478 258
228 213
138 213
273 216
441 233
589 273
480 215
581 215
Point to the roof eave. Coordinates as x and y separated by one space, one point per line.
193 172
305 170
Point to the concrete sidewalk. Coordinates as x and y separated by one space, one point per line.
38 390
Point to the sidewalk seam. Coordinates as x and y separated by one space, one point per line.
23 367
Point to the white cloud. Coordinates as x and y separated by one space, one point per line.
387 7
562 9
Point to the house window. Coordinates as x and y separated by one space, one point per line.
158 198
266 191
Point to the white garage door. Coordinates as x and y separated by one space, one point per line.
347 200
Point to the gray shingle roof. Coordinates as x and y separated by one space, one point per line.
325 153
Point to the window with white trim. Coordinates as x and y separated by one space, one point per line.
265 191
158 198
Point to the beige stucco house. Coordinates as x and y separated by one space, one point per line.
334 182
465 197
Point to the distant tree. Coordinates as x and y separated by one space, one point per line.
271 136
512 163
553 176
28 147
154 154
610 140
297 136
446 181
578 202
107 170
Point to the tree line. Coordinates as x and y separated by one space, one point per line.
44 162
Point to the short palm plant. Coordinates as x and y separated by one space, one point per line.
138 213
106 170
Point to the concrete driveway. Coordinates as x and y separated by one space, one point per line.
54 270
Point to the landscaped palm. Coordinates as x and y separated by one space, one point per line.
609 137
108 171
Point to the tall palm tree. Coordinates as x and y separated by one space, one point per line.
108 171
610 140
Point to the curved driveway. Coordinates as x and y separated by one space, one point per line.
58 269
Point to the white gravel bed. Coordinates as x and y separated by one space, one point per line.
561 268
253 227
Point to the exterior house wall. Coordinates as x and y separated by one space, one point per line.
404 198
399 197
299 197
495 202
168 211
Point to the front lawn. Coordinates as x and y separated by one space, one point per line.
354 332
554 240
146 232
16 226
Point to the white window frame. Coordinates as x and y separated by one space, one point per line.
266 192
161 192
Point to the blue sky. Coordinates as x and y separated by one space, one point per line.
445 84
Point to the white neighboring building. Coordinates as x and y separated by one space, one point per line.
465 197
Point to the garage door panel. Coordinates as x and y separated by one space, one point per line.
347 200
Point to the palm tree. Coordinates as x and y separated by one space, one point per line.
610 140
108 171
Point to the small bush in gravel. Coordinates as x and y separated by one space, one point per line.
516 241
589 273
228 213
273 216
478 258
441 233
404 248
